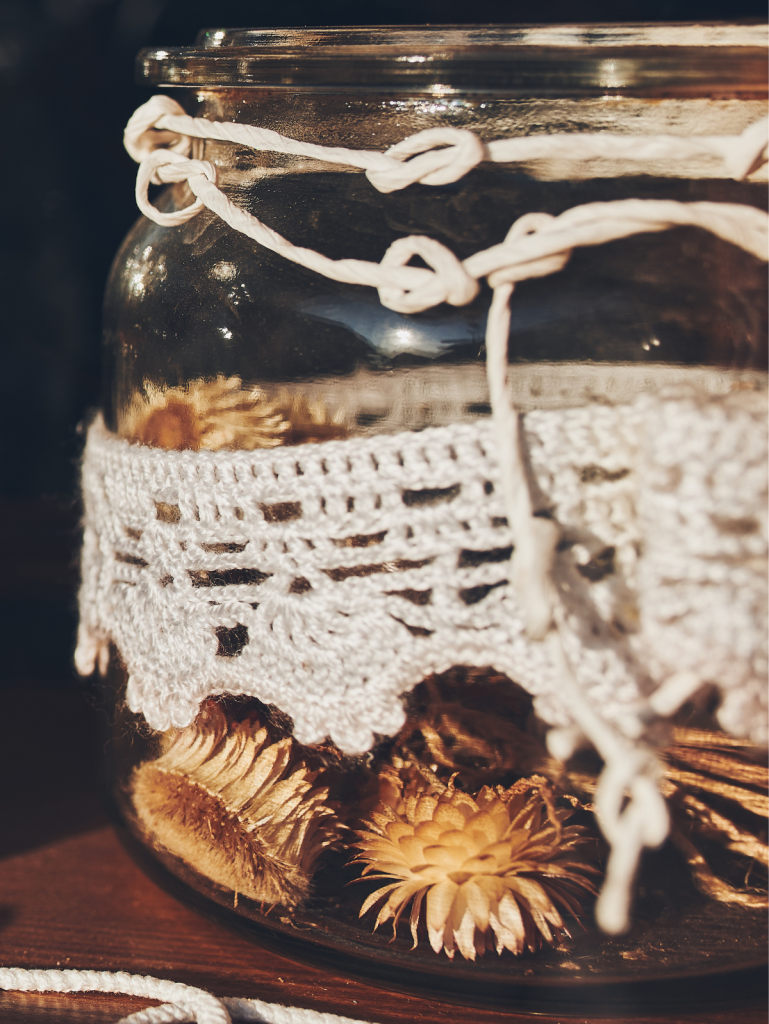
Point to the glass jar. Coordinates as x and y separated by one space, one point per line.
215 345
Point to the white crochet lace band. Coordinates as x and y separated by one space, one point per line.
329 579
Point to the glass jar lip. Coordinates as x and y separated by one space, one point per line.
656 60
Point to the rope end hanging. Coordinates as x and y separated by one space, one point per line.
535 537
644 823
530 570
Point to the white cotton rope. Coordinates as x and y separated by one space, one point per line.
161 121
179 1002
629 808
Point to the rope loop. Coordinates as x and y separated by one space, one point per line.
630 825
461 151
141 137
521 269
162 166
450 282
193 1003
623 775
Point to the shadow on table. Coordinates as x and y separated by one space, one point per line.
50 765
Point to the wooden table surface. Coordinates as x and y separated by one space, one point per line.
70 896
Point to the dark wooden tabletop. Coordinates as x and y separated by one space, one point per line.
70 896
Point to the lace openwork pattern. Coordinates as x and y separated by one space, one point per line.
330 579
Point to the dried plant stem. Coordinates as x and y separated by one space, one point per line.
708 883
756 803
708 740
710 823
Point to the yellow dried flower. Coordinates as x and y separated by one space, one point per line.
242 812
217 414
490 870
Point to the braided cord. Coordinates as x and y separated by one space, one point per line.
178 1002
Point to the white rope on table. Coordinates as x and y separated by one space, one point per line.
159 136
179 1002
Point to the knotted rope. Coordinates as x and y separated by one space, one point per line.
162 122
159 136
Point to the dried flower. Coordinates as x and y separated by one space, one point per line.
716 785
450 724
221 413
243 812
491 870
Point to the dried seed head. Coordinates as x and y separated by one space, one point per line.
491 871
221 413
239 810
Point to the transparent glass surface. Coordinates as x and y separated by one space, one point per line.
201 300
200 314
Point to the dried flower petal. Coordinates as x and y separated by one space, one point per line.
489 870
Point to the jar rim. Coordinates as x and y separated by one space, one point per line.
656 60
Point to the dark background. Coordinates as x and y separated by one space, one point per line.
66 90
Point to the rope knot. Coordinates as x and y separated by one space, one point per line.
515 264
449 282
141 136
460 151
162 166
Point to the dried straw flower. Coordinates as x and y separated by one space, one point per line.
221 413
450 725
243 812
491 870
